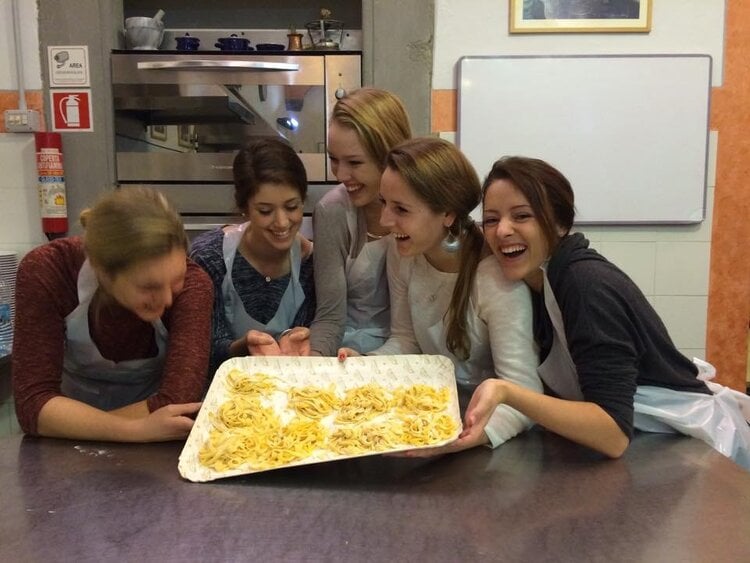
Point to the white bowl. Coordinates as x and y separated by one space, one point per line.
144 37
143 22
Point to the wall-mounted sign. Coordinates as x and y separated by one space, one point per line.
68 66
71 110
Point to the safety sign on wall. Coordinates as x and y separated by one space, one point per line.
68 66
71 110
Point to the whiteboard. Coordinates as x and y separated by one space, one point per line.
629 132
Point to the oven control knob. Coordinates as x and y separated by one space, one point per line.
340 93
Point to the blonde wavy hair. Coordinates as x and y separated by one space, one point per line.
377 116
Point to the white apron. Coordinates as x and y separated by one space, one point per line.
368 317
720 420
237 316
92 379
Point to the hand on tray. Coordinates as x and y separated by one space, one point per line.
469 438
345 353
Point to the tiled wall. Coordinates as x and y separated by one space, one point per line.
20 228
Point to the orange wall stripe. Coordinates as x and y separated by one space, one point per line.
729 277
9 100
444 111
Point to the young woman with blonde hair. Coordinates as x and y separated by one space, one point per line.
113 328
447 293
350 243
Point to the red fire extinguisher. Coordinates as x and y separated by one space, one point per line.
52 198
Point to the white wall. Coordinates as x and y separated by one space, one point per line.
20 225
670 264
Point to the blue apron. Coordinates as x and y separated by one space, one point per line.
368 319
92 379
237 317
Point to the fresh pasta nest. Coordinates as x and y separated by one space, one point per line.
264 413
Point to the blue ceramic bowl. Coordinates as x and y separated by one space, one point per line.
187 43
233 43
270 47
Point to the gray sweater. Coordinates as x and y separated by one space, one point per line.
340 232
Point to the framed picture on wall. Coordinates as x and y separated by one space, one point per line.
580 16
158 132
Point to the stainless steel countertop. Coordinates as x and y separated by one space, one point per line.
536 498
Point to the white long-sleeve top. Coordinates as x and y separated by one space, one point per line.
499 322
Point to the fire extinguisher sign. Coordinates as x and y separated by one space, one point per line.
71 110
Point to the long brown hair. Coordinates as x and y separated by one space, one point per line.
445 180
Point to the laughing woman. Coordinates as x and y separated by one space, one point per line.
262 270
112 331
448 295
609 365
350 243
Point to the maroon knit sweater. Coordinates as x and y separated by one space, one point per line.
46 292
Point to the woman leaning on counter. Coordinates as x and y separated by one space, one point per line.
609 364
113 328
350 243
447 293
262 270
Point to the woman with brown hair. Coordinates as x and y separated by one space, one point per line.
448 295
262 270
113 328
609 365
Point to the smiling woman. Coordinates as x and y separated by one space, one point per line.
608 363
264 298
447 294
350 243
112 329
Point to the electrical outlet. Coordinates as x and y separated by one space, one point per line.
22 120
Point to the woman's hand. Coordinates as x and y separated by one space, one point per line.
469 438
487 396
345 353
170 422
295 342
261 344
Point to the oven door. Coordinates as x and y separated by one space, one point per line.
181 118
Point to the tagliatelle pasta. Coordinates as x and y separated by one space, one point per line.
313 402
427 428
257 384
421 398
364 403
264 419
